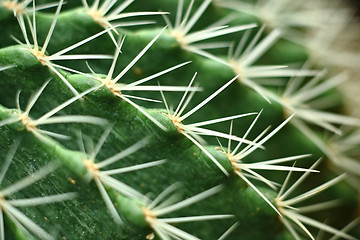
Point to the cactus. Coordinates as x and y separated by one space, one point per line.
113 126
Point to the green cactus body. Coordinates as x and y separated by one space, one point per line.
114 127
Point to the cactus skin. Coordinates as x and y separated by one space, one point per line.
87 216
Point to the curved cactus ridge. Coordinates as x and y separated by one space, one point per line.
115 116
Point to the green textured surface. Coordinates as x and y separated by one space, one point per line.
86 217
